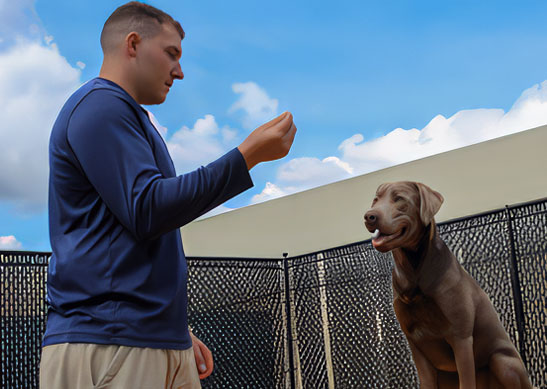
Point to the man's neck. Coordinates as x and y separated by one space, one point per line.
111 72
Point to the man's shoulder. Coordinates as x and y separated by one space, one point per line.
97 101
101 95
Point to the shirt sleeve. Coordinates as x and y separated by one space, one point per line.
112 149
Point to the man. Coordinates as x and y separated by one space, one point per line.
117 276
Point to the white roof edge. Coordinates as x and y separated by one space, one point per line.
472 179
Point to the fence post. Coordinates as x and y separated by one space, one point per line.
325 319
515 283
289 320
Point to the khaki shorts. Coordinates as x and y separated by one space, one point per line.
82 365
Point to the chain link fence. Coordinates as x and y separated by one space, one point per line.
322 320
23 282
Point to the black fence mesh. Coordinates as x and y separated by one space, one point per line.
236 308
347 335
529 226
23 283
321 320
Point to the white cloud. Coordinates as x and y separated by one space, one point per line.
36 80
270 191
228 134
304 173
9 243
258 107
18 20
442 134
200 145
357 156
529 111
207 141
161 129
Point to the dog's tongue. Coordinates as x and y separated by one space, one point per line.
376 234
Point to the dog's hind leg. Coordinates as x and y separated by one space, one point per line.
508 372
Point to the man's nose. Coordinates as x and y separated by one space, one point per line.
177 73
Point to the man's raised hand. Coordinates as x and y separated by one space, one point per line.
270 141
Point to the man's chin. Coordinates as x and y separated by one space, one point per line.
155 101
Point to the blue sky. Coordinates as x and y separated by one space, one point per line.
370 84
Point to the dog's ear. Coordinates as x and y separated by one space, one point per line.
430 203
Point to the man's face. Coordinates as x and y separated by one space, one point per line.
158 65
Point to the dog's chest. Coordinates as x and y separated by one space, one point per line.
420 316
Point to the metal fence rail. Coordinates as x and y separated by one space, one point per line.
322 320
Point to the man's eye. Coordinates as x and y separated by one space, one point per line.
397 199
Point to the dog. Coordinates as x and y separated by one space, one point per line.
454 332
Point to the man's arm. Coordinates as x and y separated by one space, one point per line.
116 157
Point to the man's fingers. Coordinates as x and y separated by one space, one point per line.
288 138
270 141
198 355
284 127
208 365
284 116
292 132
279 122
203 357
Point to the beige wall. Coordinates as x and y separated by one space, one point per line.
473 179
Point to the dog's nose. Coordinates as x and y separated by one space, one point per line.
371 218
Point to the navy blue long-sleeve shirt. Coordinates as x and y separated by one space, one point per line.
118 274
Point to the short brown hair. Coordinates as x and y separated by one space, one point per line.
135 16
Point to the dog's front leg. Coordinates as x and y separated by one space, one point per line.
426 371
465 361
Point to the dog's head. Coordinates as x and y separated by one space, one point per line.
400 214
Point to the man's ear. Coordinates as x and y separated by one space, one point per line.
430 203
131 41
